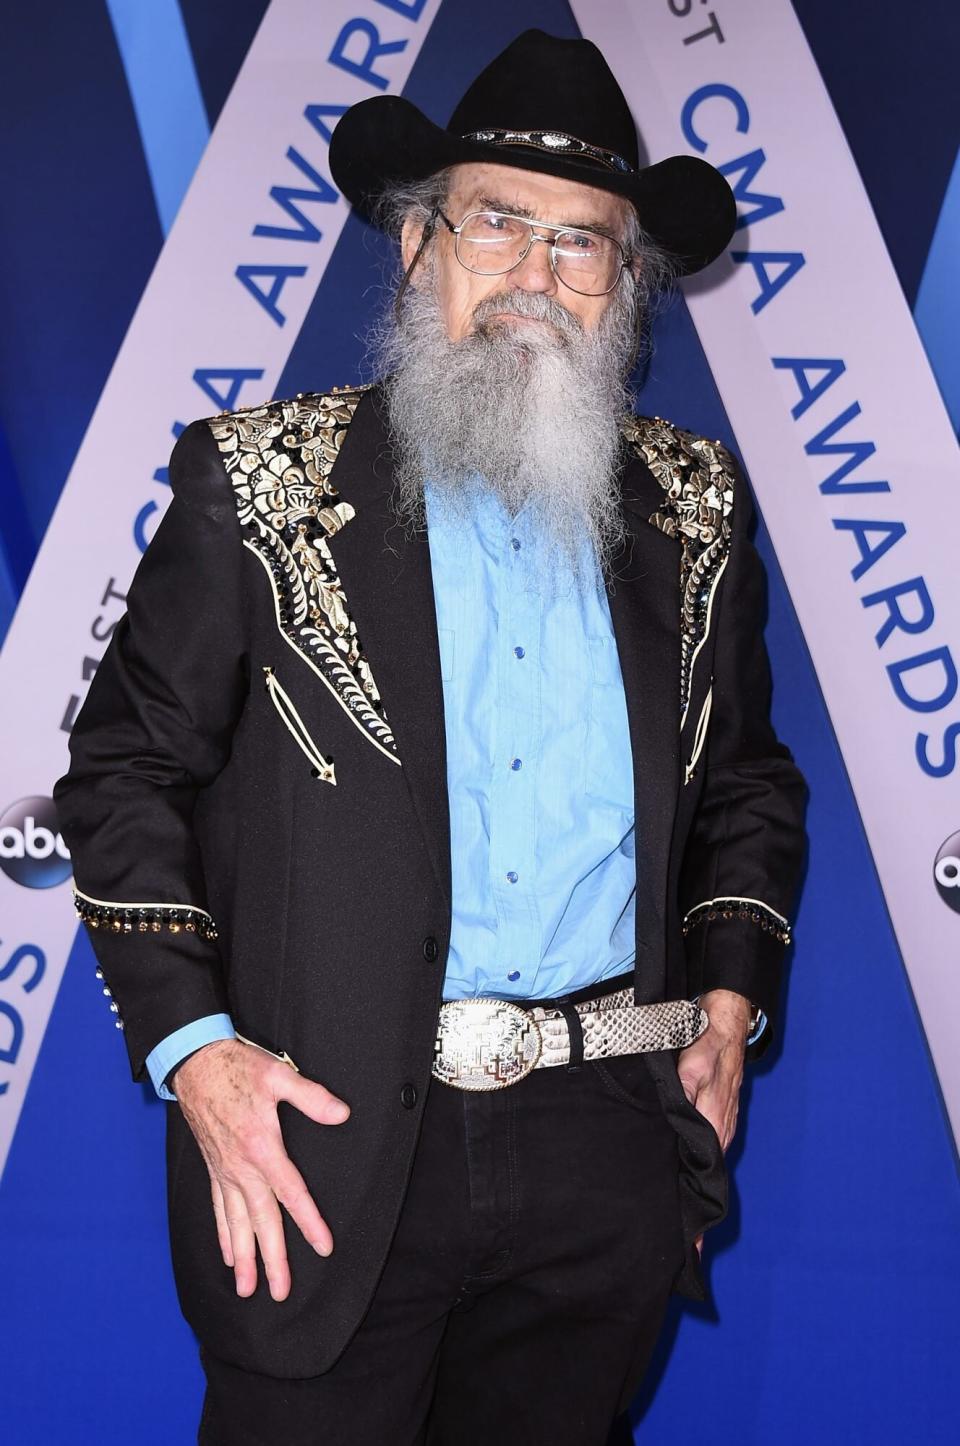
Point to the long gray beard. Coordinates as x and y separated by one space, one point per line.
526 413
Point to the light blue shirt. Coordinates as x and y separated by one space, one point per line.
539 768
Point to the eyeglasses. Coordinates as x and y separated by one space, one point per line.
491 243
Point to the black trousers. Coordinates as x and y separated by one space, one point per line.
525 1287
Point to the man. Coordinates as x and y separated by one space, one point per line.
451 689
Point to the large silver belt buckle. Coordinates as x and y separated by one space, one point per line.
485 1044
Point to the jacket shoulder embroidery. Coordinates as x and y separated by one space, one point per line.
279 458
697 477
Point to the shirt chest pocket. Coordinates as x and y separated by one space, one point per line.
608 761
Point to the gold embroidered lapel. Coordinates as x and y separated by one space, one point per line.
697 477
279 458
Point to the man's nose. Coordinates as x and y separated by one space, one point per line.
535 272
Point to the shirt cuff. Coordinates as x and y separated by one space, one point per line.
761 1026
172 1051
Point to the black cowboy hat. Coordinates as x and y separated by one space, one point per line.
543 105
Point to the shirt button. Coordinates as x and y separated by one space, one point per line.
514 974
518 652
408 1096
515 544
517 764
512 876
431 949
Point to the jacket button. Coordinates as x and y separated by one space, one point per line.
431 949
408 1096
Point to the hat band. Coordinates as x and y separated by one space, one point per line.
555 141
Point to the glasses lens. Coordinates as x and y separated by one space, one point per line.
586 262
491 243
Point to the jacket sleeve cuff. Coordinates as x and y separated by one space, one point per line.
739 944
176 1047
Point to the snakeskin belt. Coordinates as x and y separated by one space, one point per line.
488 1044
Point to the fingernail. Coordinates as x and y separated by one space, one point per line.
338 1112
321 1248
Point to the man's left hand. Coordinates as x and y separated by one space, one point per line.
711 1069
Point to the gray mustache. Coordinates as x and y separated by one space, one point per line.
533 304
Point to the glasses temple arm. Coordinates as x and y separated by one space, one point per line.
429 226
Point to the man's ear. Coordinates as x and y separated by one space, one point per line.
411 237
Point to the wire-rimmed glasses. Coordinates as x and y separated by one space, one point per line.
491 243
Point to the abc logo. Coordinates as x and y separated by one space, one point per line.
32 851
946 872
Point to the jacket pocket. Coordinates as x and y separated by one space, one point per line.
321 767
700 736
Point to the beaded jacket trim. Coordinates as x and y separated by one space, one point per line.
279 458
128 918
752 911
697 478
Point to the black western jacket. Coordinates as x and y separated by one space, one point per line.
257 811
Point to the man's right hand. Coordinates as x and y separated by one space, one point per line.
229 1092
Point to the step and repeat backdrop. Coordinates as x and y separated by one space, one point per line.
173 245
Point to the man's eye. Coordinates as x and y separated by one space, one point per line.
493 222
578 241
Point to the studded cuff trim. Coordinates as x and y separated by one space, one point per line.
127 918
752 911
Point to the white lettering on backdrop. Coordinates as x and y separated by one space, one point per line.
213 329
835 408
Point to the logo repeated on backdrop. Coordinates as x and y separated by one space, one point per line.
32 850
946 871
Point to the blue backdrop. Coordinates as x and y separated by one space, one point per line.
834 1276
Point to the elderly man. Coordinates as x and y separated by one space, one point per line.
426 813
